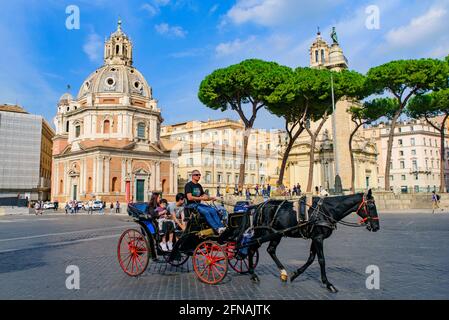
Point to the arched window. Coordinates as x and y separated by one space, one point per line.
89 185
316 55
77 131
141 130
322 56
117 49
106 126
114 184
67 126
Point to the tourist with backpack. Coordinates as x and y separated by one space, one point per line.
435 201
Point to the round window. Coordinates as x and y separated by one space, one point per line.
137 84
110 81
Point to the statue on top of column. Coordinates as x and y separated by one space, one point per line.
334 35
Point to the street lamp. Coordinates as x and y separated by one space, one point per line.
338 189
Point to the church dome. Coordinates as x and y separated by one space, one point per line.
65 99
117 75
118 78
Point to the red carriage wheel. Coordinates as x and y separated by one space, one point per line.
133 252
237 263
210 262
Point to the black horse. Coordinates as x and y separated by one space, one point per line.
276 218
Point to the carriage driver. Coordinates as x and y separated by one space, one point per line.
195 194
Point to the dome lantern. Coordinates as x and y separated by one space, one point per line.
118 48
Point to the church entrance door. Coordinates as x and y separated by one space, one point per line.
140 190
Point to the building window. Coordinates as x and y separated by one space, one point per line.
67 126
208 177
322 56
413 152
316 55
77 131
415 165
114 184
401 153
412 141
403 177
402 163
400 142
141 130
106 126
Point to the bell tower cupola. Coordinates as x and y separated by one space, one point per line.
319 52
118 48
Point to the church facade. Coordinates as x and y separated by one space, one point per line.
107 144
325 56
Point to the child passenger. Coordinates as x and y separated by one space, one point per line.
166 225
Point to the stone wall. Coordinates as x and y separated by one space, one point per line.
384 200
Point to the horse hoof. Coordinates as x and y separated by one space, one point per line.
255 278
294 276
331 288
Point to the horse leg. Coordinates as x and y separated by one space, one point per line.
307 264
320 252
251 252
272 252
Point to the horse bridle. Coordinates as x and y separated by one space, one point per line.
365 202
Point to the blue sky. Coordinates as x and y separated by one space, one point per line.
178 42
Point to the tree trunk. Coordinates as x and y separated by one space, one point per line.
245 156
313 137
351 138
389 148
311 163
442 155
284 161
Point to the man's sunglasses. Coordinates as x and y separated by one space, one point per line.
196 175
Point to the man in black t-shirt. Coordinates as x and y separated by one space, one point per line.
195 194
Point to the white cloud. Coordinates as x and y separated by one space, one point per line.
236 46
434 21
154 8
275 12
151 9
213 9
93 47
171 31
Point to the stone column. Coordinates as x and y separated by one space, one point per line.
94 175
153 176
106 174
100 174
158 175
66 180
56 190
175 178
123 176
171 178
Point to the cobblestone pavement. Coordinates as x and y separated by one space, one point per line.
411 250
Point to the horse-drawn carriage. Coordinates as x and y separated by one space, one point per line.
211 253
246 231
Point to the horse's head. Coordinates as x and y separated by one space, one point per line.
368 212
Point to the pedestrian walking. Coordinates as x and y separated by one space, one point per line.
117 207
37 208
435 201
248 194
112 208
257 190
90 207
218 192
268 190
